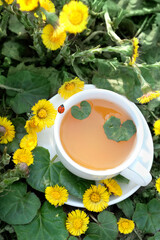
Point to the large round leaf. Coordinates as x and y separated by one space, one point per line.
75 185
17 206
155 237
49 224
30 88
105 229
147 216
127 207
43 172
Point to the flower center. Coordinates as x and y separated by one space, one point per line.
125 225
95 197
42 113
28 2
70 86
2 131
56 195
76 17
77 223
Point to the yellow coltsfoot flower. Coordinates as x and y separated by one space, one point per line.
77 222
44 113
148 97
112 186
7 1
23 156
74 16
125 226
135 42
7 130
56 195
71 87
156 127
157 185
53 38
32 126
47 5
27 5
96 198
29 142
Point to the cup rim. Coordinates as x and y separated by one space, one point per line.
132 108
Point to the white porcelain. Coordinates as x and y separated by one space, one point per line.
129 168
46 140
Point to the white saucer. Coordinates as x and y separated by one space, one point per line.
46 140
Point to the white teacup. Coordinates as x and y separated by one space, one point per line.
130 168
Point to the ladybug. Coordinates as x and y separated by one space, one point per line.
61 108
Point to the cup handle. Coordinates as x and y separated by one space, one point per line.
137 173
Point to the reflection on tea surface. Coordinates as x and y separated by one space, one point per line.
86 142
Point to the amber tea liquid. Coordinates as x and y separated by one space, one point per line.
86 142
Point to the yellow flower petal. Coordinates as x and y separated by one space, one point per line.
96 198
44 113
53 38
27 5
74 16
7 130
23 156
29 142
156 127
9 1
77 222
32 127
135 51
157 185
56 195
48 5
112 186
148 97
125 225
71 87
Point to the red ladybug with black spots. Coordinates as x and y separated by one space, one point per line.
61 108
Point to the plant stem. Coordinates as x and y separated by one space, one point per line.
145 87
11 88
110 31
94 219
55 156
142 11
93 35
156 118
139 237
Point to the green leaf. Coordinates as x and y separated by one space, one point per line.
75 185
49 224
72 238
147 216
15 25
31 88
17 206
106 228
82 112
43 172
127 207
155 237
117 131
16 50
121 179
114 76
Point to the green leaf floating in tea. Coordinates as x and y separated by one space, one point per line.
81 112
117 131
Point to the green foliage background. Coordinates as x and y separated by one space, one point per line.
100 56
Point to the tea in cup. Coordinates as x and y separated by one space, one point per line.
86 150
